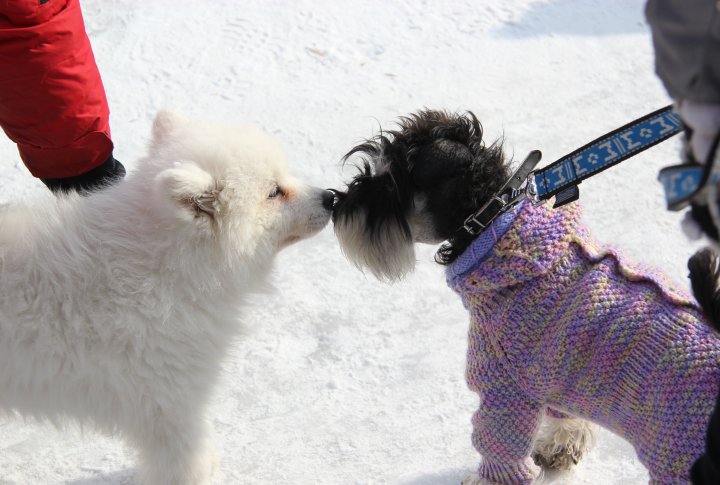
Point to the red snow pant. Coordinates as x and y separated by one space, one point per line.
52 101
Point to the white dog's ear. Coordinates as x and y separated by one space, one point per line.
190 190
165 123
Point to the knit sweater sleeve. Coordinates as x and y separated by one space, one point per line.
506 421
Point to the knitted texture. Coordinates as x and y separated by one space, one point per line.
559 323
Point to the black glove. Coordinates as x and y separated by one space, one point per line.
107 173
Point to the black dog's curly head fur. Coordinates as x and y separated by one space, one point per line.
418 183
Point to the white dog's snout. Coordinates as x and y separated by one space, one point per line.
324 196
308 213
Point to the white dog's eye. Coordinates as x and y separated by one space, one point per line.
277 192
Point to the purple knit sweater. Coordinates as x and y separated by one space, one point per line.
558 323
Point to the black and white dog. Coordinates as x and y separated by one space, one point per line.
418 184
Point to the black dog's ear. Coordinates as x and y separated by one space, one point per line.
371 227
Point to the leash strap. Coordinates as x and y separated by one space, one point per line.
562 177
682 182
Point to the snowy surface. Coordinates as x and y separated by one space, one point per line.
340 379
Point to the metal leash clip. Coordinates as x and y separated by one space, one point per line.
477 222
507 197
531 191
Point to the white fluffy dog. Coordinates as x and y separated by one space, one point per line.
117 309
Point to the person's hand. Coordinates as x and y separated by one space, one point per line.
702 137
106 174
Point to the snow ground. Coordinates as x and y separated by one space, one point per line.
340 379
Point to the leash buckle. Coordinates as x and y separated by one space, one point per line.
511 194
531 189
476 223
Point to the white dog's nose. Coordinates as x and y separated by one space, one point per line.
328 200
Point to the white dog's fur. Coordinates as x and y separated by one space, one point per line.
116 310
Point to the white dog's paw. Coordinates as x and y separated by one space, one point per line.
168 466
206 464
212 461
562 442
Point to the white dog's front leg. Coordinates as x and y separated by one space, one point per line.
177 455
562 442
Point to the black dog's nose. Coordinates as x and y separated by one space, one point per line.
328 200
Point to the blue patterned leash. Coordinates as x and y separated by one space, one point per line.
682 182
561 178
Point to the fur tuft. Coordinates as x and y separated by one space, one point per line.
371 226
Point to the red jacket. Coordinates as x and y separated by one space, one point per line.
52 101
